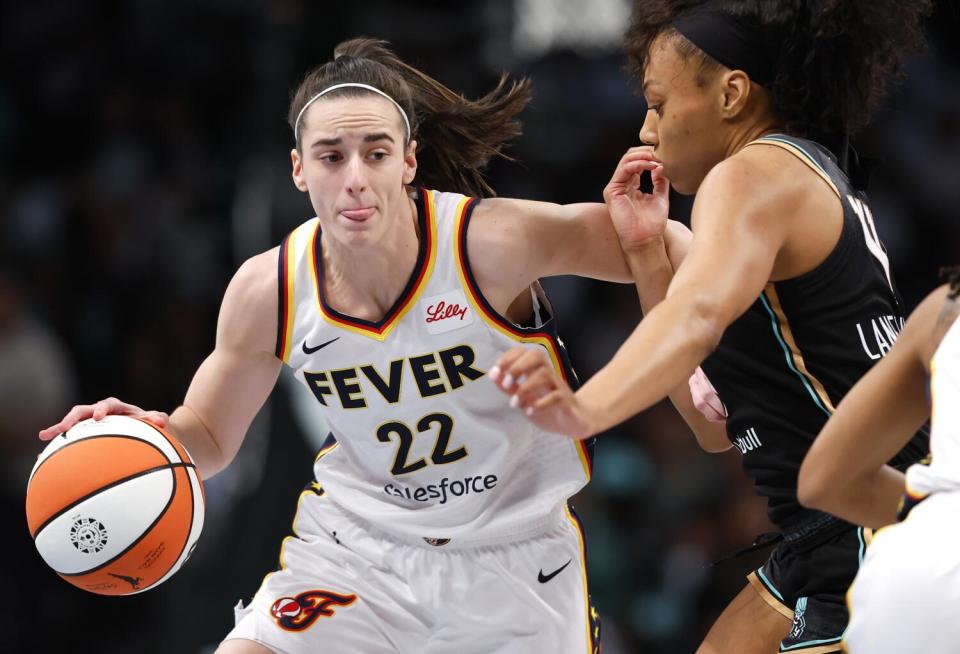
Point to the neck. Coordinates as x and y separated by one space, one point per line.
757 119
366 281
749 133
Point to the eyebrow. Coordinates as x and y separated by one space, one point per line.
368 138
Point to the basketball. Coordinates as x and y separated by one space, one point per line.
115 506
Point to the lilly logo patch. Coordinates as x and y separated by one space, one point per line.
446 312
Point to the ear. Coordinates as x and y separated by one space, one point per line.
297 163
736 87
410 163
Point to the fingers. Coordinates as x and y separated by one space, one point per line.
158 418
99 411
532 387
548 401
112 405
521 365
626 176
640 151
527 375
661 185
75 415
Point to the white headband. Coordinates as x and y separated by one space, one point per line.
296 124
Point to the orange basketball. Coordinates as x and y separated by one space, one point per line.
115 506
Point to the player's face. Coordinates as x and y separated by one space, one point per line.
683 121
354 166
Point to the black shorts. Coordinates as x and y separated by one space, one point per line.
806 579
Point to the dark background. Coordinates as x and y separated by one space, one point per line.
145 154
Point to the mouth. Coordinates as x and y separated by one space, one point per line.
358 215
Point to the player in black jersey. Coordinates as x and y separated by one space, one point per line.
785 295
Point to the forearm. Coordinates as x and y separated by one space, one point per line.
223 399
659 356
652 273
870 500
203 448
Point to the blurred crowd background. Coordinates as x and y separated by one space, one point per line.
145 154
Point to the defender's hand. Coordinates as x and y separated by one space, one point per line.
639 218
534 387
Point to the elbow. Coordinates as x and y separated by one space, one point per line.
711 436
706 321
813 487
715 448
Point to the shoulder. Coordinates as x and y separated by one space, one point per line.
248 315
766 173
256 278
502 223
762 183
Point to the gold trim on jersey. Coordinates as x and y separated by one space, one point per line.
289 273
800 153
325 450
496 323
583 575
799 365
777 605
393 319
821 649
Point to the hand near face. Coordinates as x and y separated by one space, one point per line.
534 387
639 218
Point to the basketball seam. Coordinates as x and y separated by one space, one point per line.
100 489
127 436
186 540
146 531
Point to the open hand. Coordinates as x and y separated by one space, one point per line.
535 388
98 411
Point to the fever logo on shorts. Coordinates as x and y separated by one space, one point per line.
300 612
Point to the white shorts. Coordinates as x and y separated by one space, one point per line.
906 596
346 587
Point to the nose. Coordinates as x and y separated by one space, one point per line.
648 131
356 180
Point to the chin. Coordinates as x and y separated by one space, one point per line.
684 187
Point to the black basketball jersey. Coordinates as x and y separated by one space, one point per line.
783 366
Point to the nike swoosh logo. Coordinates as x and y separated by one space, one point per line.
542 578
311 350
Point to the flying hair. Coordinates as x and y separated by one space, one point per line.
456 137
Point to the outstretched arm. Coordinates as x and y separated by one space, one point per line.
232 383
512 243
741 223
844 473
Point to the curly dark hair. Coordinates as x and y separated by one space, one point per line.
456 137
834 61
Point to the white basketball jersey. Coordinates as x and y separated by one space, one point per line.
943 471
422 442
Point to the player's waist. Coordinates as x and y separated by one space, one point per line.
508 529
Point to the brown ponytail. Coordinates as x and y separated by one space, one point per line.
456 138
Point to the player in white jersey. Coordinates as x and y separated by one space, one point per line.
438 521
904 598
